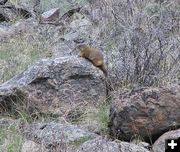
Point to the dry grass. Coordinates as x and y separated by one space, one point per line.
10 139
93 118
18 53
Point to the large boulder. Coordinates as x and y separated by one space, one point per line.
53 86
146 112
103 145
159 145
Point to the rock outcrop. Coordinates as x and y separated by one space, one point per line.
146 113
50 86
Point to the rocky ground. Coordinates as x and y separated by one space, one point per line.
52 100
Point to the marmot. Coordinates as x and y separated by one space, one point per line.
94 56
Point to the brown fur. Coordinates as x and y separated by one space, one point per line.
94 56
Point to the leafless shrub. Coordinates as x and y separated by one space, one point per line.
144 37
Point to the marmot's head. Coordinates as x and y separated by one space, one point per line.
83 49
